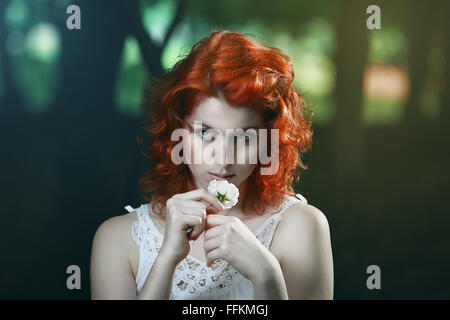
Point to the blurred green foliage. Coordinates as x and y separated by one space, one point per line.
382 112
305 31
16 14
156 17
130 79
36 68
387 45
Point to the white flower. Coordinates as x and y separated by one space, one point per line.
225 191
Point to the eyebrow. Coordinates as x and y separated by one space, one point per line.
245 129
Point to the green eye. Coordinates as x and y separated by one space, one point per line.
205 135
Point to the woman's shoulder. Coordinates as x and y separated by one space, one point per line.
300 223
305 252
113 249
304 213
115 231
119 222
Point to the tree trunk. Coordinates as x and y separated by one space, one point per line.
445 101
351 61
11 102
418 28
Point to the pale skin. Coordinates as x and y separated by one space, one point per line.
297 265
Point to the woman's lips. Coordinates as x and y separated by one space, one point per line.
215 177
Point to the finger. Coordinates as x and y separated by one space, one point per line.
194 204
193 211
198 212
201 194
189 221
217 220
213 243
212 256
213 232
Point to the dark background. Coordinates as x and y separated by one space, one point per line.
69 119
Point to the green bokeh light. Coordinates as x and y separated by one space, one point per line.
178 46
43 42
131 79
132 53
16 14
37 81
319 37
382 112
36 69
387 45
157 18
314 74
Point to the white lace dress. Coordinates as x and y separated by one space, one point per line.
192 278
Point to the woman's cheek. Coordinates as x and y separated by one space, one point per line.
252 154
194 149
246 170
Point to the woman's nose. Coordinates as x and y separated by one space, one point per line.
224 151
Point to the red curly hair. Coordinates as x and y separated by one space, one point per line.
246 73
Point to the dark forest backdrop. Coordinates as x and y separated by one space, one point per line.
378 167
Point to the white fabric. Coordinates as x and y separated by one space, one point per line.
192 278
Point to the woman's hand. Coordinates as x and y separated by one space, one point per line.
228 238
185 210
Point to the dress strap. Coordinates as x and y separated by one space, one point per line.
147 238
302 198
144 227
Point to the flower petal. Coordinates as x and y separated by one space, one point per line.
224 190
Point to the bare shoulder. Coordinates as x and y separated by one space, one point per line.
305 215
116 232
303 243
115 226
112 273
303 224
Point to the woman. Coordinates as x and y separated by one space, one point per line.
183 244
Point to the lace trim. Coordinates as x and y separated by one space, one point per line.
192 276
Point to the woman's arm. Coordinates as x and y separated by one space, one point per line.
158 284
268 283
111 273
303 238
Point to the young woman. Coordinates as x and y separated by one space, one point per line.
271 244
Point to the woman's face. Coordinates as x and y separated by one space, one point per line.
216 116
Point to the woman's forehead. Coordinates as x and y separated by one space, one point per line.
216 113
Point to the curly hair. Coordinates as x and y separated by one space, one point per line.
247 73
